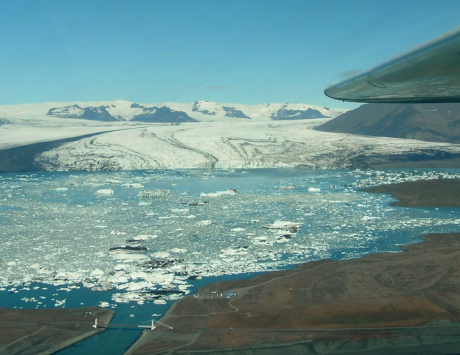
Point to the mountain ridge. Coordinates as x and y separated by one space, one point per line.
427 122
166 112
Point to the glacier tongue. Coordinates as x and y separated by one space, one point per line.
232 145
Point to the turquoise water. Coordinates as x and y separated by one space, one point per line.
56 232
114 340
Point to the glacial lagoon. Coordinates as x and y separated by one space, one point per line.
58 228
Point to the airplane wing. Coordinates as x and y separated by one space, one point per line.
428 73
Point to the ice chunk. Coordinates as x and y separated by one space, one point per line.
219 193
368 218
59 303
292 227
130 257
154 193
105 192
160 254
204 223
238 230
135 185
127 250
112 181
314 189
136 286
142 237
97 273
180 210
288 187
104 286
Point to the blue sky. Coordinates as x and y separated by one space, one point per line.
243 51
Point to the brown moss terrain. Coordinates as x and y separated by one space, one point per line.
46 331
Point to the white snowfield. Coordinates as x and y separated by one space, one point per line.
217 141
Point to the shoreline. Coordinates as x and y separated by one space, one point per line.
47 331
366 339
407 294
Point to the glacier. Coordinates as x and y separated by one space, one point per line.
222 136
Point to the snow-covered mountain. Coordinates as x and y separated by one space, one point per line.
99 113
428 122
102 113
213 108
171 112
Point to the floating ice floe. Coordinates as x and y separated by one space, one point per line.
112 181
97 273
204 223
61 189
133 185
117 233
314 189
219 193
197 203
127 250
160 254
288 187
368 218
142 237
103 286
154 193
292 227
180 210
59 303
237 229
105 192
130 257
161 261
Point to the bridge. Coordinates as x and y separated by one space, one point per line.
131 326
